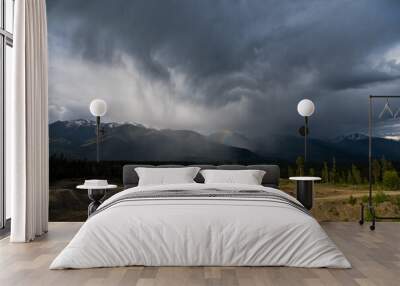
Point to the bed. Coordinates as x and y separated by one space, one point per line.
198 224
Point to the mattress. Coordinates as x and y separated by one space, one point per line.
201 225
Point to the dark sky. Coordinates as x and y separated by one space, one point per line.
213 64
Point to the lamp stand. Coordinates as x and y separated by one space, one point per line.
305 141
98 138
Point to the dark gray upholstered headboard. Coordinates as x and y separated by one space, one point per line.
271 178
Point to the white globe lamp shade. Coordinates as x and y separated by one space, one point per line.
305 107
98 107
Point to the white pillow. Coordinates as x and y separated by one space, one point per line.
248 177
165 176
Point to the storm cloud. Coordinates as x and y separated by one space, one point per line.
210 65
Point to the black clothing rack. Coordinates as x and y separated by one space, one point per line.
370 206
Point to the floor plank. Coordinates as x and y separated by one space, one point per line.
375 257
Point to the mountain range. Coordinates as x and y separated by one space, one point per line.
134 142
76 139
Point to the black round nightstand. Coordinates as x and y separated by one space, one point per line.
304 191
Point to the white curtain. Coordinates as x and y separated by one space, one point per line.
27 123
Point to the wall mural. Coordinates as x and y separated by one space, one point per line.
219 82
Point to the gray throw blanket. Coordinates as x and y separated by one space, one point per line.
206 194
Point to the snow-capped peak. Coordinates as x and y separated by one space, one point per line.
351 137
80 122
89 123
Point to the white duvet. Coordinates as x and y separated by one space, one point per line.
200 231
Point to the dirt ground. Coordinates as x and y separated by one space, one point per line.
342 202
331 202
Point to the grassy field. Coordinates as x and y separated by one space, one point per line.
331 203
342 202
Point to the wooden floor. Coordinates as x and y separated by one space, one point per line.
375 257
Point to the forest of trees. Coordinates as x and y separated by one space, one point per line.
383 173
